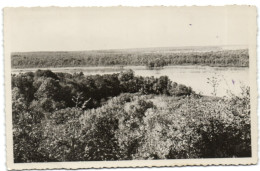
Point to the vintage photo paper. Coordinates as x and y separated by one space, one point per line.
102 87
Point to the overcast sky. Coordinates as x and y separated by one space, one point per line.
65 29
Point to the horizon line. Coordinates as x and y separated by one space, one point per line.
115 49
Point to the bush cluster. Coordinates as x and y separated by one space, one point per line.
64 117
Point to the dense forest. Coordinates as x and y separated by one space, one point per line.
73 117
122 58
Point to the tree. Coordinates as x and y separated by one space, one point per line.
49 88
24 82
63 136
18 105
46 74
126 75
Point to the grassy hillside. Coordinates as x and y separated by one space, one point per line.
213 56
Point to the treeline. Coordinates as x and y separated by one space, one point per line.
64 117
70 89
121 58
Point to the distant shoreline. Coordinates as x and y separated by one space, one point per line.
118 68
124 67
151 57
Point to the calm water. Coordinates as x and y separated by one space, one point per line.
229 79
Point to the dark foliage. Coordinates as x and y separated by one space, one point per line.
65 117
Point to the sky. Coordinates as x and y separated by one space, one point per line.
72 29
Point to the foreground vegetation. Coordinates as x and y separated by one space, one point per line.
64 117
238 58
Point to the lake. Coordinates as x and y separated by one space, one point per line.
228 78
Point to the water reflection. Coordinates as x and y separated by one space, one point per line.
229 79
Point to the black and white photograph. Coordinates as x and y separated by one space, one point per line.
93 87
